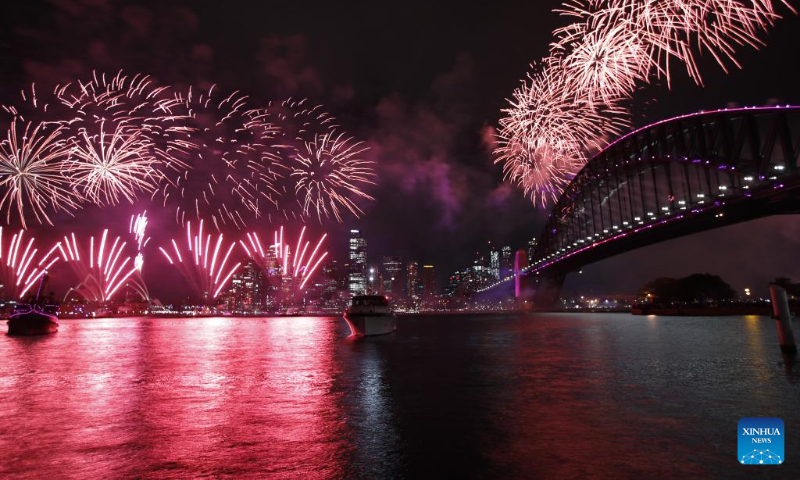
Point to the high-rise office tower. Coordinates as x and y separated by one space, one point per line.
412 282
357 278
531 248
374 281
393 276
506 262
248 289
494 262
428 277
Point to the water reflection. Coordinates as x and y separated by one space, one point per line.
178 397
369 407
491 396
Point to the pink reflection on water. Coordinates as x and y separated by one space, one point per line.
174 398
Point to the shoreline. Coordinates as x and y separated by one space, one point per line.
635 311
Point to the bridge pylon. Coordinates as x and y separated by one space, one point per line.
535 290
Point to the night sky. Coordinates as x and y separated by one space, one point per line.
423 85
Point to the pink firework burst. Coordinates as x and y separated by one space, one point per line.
31 162
601 58
298 265
330 174
102 269
108 167
220 139
547 132
202 262
21 263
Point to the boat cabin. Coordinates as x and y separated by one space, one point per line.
370 301
369 305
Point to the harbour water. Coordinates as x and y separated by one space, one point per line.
534 396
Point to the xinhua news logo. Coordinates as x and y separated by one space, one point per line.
761 441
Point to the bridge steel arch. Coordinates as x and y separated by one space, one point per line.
672 178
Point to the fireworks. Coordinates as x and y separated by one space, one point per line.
329 174
299 266
19 265
573 102
206 154
603 59
103 271
110 166
311 168
545 134
661 30
30 173
202 263
138 228
220 140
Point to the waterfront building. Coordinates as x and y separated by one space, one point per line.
413 286
506 262
374 281
494 262
481 271
272 271
357 277
460 284
428 280
393 277
531 248
247 290
333 285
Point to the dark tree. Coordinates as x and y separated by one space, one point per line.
696 288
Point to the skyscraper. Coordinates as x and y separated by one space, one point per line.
506 262
428 277
412 282
331 274
374 281
531 248
357 278
494 262
393 277
248 289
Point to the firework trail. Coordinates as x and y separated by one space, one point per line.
202 263
138 229
103 270
329 175
20 268
658 31
221 138
136 105
205 154
30 173
132 98
109 166
543 138
107 128
314 170
300 265
601 58
573 102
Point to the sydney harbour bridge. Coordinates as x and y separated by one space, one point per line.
672 178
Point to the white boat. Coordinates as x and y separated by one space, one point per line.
370 315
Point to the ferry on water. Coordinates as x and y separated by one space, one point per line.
370 315
38 316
